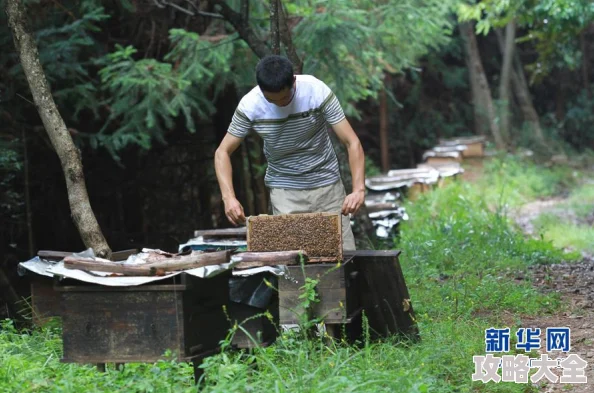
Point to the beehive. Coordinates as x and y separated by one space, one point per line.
318 234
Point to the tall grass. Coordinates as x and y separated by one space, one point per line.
569 225
466 270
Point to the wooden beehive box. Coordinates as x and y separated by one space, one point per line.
443 158
338 291
384 294
105 324
45 302
318 234
475 145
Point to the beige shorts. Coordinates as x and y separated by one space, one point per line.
327 199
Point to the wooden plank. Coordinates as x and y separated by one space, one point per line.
330 277
240 232
129 326
338 291
138 324
101 288
59 255
360 255
331 307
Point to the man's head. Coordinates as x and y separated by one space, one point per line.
276 79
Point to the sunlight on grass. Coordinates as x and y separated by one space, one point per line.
564 234
512 181
581 200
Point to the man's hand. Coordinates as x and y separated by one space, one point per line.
353 202
234 211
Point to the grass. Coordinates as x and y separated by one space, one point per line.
511 181
570 225
465 265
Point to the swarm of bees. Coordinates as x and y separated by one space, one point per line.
318 234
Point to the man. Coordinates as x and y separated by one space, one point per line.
291 112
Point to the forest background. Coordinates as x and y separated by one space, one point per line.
147 90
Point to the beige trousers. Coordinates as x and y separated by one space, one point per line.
327 199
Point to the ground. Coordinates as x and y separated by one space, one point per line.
573 281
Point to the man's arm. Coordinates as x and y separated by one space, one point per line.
347 136
224 172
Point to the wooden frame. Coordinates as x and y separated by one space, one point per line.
311 258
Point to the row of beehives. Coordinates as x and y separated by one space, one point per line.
440 164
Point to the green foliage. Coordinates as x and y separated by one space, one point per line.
339 46
67 51
512 181
577 127
465 265
569 225
11 165
159 91
551 25
371 169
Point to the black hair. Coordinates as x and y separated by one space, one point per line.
274 73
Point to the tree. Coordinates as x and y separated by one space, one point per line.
506 76
555 28
59 135
484 109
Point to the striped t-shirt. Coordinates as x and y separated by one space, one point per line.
296 141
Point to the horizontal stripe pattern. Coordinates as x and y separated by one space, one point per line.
297 146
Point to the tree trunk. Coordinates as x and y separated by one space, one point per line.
484 110
585 61
562 79
61 139
285 35
522 93
274 30
504 82
242 26
383 128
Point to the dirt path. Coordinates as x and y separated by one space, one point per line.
575 284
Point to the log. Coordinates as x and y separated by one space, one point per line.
248 260
192 261
270 256
59 255
104 265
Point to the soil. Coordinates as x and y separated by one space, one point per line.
574 282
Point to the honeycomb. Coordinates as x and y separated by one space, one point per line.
318 234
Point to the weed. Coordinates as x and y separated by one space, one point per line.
466 268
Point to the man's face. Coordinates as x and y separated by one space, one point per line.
281 98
